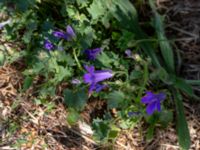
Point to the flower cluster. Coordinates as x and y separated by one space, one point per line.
95 77
68 35
92 77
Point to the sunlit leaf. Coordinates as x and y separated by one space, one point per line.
72 117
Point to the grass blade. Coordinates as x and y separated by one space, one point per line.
183 86
165 47
182 127
193 82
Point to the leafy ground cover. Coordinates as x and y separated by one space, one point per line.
81 74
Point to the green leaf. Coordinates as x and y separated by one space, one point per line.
35 70
161 74
27 37
165 47
62 73
77 99
136 75
126 39
82 3
72 117
165 117
113 132
150 133
88 37
181 125
24 5
145 80
27 82
2 58
97 9
183 86
193 82
124 12
105 59
49 107
70 60
115 99
47 91
101 129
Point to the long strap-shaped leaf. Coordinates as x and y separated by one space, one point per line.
181 125
193 82
126 14
166 50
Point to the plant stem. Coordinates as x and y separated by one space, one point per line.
145 78
123 73
76 59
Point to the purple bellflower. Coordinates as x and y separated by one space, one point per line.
93 78
153 101
48 45
70 32
68 35
60 34
92 53
99 87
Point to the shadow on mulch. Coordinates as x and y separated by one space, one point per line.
69 139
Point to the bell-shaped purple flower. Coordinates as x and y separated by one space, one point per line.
70 32
60 34
97 87
68 35
92 53
93 78
48 45
153 101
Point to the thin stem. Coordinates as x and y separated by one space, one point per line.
123 73
76 59
145 78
